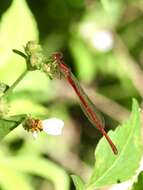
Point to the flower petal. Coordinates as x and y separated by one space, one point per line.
35 134
53 126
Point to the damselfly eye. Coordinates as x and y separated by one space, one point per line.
57 56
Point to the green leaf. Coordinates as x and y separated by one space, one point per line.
139 184
8 124
112 7
28 107
32 83
11 179
16 28
78 182
43 168
110 168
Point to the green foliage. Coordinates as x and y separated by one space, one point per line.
35 166
112 7
15 37
11 179
16 168
139 184
78 48
8 124
16 28
79 184
123 166
109 168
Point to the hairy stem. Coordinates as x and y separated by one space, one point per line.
9 91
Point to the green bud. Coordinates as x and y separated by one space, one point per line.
3 87
32 47
35 56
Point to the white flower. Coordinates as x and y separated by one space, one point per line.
102 40
52 126
98 38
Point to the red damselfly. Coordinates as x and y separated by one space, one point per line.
88 107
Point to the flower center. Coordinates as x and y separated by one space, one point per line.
32 125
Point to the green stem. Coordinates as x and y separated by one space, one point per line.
9 91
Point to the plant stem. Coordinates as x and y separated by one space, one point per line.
9 91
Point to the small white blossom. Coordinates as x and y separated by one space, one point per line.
102 40
53 126
98 38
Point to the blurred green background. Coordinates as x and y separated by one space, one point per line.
102 43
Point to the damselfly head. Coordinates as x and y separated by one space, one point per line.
51 68
57 56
